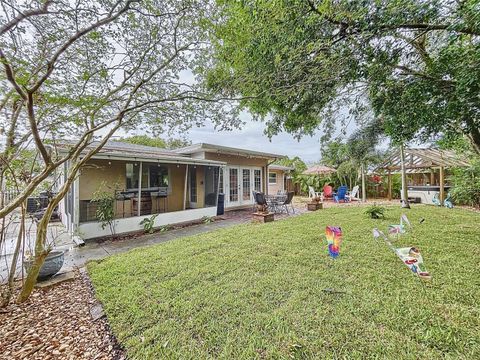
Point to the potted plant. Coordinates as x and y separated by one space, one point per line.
315 204
52 265
262 214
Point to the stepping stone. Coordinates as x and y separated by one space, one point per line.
96 311
56 279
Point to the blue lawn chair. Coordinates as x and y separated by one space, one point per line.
341 194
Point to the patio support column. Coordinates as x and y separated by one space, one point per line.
364 191
140 172
265 180
185 188
404 196
442 185
432 177
389 185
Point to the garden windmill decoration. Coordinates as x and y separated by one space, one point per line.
410 256
334 239
400 228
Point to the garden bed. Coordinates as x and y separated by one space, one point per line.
56 323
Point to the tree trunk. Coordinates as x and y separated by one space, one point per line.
7 295
364 191
41 253
474 137
404 200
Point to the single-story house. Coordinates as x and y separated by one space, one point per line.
279 178
175 185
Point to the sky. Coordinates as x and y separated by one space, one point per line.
251 137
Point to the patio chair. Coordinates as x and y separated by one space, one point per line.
312 193
260 199
254 205
353 195
327 192
288 201
341 194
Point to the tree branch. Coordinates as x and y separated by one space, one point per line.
106 20
24 15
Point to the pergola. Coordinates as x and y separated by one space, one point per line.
417 160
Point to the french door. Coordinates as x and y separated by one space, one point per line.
240 183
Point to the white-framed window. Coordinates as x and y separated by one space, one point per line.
272 178
153 175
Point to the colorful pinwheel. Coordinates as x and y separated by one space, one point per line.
334 239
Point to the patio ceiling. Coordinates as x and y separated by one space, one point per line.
417 160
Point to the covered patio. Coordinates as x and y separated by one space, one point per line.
165 187
426 171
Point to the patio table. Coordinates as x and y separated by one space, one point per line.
274 200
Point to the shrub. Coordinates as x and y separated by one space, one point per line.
148 224
105 211
466 185
375 211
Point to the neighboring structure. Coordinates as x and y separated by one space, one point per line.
179 185
319 170
426 169
279 178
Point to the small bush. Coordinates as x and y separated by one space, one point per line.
148 224
208 219
376 212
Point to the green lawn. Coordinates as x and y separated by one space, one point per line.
255 291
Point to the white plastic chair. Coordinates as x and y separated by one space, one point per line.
312 193
353 195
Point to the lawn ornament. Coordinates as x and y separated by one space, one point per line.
410 256
401 228
334 239
447 202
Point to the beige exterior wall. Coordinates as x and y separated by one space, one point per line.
236 160
177 180
273 188
200 186
97 172
113 175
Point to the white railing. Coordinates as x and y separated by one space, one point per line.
8 196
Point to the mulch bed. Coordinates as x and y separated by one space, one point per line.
56 323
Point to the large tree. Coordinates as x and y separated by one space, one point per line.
417 63
171 143
84 70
